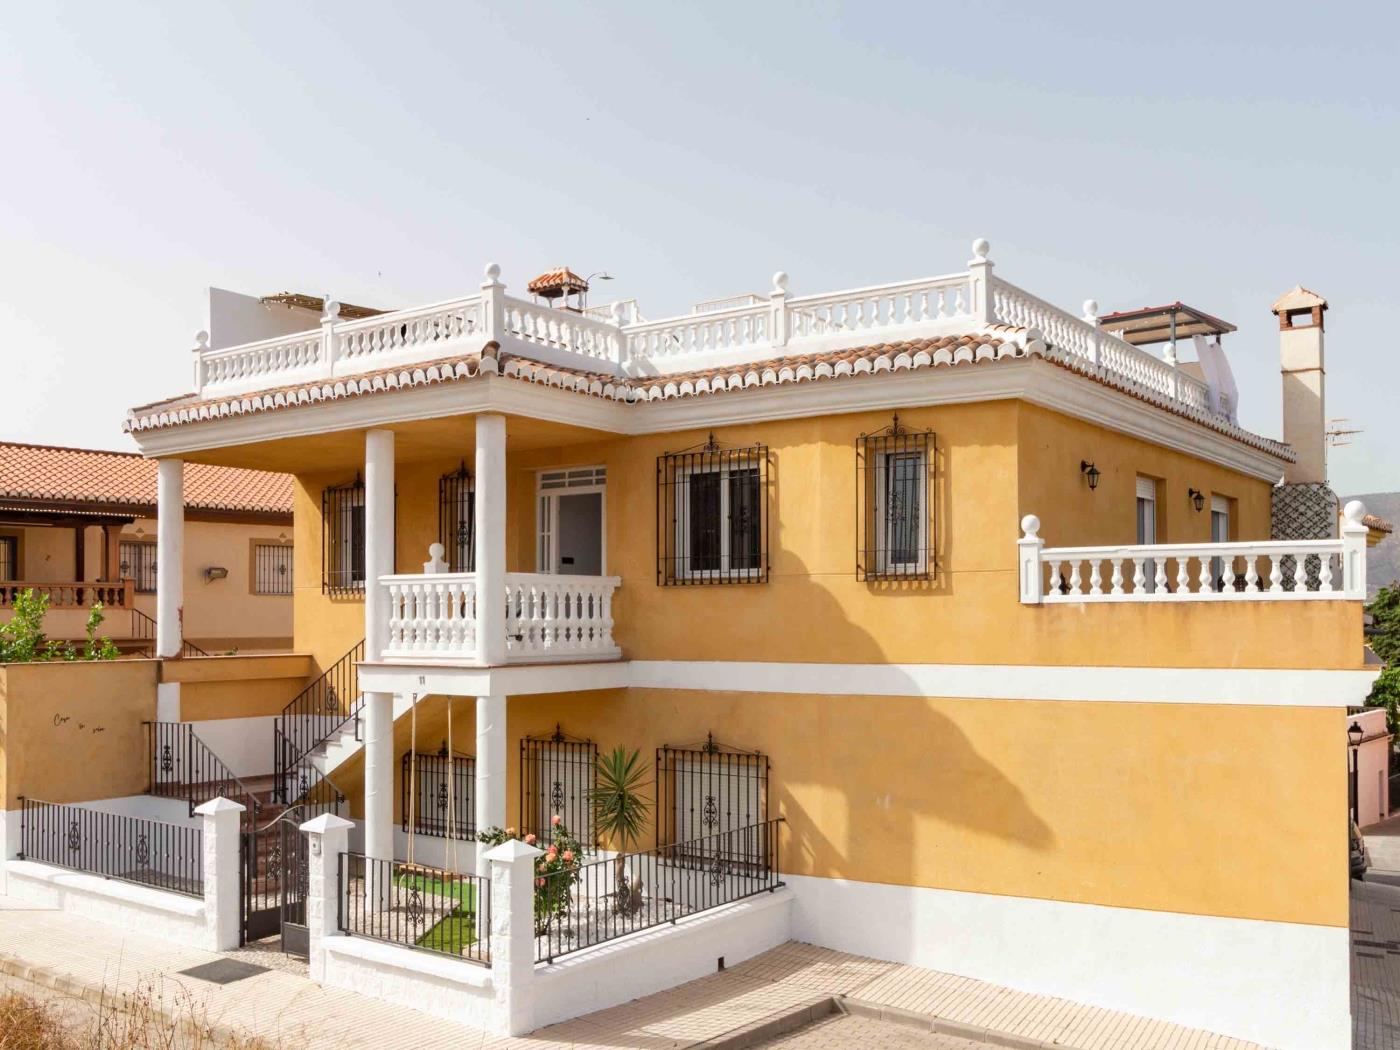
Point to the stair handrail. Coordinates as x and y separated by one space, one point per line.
198 757
143 628
315 714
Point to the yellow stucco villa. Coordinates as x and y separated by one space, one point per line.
952 628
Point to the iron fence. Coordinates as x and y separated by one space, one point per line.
131 849
431 909
708 788
143 629
183 766
578 908
436 795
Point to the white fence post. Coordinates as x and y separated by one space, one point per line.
1028 549
1354 534
328 337
493 306
779 319
513 935
328 836
201 348
221 862
979 268
1091 318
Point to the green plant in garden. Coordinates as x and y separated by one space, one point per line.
22 640
620 811
1385 621
556 871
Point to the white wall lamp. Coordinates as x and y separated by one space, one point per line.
215 572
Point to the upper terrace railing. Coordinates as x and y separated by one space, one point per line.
719 332
1270 570
549 618
116 594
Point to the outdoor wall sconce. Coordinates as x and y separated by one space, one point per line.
1091 472
215 572
1198 498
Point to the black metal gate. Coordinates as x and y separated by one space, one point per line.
557 776
707 789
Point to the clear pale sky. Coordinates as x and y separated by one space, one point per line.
1216 153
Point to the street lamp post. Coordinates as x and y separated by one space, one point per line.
1354 735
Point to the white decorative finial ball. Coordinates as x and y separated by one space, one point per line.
493 271
332 308
435 551
202 340
780 281
1354 511
980 248
1030 525
1091 308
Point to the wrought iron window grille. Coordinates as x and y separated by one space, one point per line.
712 515
558 774
139 564
343 537
708 788
272 568
895 517
442 783
457 519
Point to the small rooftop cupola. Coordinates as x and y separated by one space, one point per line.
1299 313
561 287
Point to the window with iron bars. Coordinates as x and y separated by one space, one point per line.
138 563
894 518
712 515
557 776
435 788
708 788
343 537
272 568
9 558
456 519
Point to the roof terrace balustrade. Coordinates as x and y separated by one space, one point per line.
725 331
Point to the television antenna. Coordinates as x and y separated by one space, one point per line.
1339 434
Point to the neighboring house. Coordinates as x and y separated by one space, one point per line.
80 526
950 623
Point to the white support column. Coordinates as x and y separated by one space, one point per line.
379 775
379 537
491 539
328 836
1354 534
221 874
490 800
170 556
1028 549
983 304
513 935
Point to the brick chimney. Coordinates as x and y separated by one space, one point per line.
1299 313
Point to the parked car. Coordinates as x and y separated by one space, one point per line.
1360 859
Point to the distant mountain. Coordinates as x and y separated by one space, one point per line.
1382 560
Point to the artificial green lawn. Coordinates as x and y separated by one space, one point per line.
457 931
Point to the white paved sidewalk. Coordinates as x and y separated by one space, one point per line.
82 957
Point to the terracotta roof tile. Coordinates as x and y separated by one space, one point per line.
83 475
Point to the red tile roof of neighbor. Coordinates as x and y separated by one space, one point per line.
46 473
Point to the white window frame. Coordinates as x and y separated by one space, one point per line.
1146 524
884 564
549 486
682 488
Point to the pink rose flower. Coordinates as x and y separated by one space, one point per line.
556 820
539 883
568 855
529 840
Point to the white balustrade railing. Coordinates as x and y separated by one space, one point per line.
544 326
738 326
433 616
559 617
423 333
268 362
1270 570
880 306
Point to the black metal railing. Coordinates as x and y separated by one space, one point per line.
316 713
183 766
431 909
146 852
436 795
143 629
607 899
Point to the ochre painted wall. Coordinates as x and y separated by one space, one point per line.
70 732
995 462
1212 810
237 686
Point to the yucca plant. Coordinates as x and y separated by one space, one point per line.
620 811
